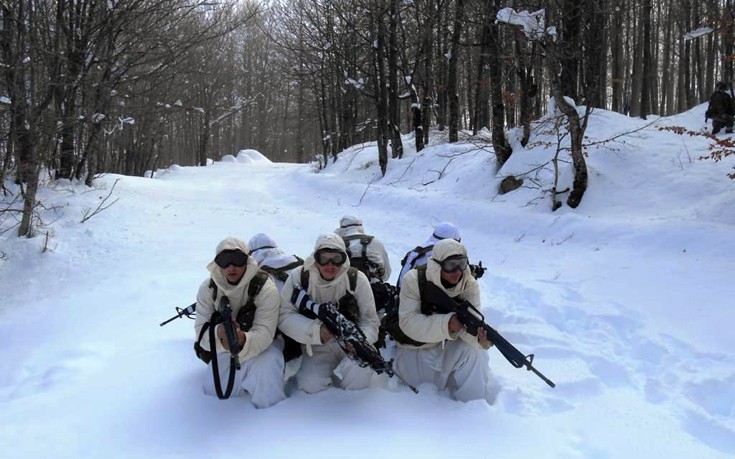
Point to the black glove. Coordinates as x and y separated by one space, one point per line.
477 270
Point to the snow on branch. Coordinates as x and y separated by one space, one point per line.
359 84
534 24
698 32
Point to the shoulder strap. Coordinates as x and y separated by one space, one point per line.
422 281
256 284
213 286
304 279
282 272
278 273
420 251
365 240
352 276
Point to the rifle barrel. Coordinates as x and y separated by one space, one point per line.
170 320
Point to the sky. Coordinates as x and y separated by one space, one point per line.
626 303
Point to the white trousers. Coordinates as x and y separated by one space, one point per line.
329 365
457 367
261 376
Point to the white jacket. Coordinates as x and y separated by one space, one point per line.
433 329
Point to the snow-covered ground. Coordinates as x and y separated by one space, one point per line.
626 303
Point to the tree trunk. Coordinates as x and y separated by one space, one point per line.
575 125
728 43
618 67
428 73
452 91
595 58
29 202
572 19
393 100
500 143
481 116
646 77
380 89
204 138
524 70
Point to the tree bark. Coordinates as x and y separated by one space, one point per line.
500 143
393 100
452 91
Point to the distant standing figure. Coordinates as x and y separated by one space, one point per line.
721 109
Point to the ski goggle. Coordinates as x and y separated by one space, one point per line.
231 257
324 257
453 264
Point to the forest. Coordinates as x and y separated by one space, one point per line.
128 86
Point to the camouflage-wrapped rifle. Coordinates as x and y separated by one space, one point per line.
345 331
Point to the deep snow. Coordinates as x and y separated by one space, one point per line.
625 301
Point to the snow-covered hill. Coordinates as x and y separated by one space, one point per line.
625 302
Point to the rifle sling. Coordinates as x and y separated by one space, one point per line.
234 364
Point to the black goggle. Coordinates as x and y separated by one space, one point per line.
453 264
324 257
231 257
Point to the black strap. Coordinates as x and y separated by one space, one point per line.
213 286
422 282
234 362
419 251
261 248
282 272
365 240
256 284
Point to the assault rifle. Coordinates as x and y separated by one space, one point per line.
189 312
345 331
225 312
473 319
477 270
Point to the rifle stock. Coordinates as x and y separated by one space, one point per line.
473 319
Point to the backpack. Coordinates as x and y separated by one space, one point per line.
389 322
420 252
245 315
361 262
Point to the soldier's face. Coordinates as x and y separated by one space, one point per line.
233 273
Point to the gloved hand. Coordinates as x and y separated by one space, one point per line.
301 300
477 270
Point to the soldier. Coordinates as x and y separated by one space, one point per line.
326 277
259 360
721 109
436 347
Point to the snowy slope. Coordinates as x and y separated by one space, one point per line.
625 302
